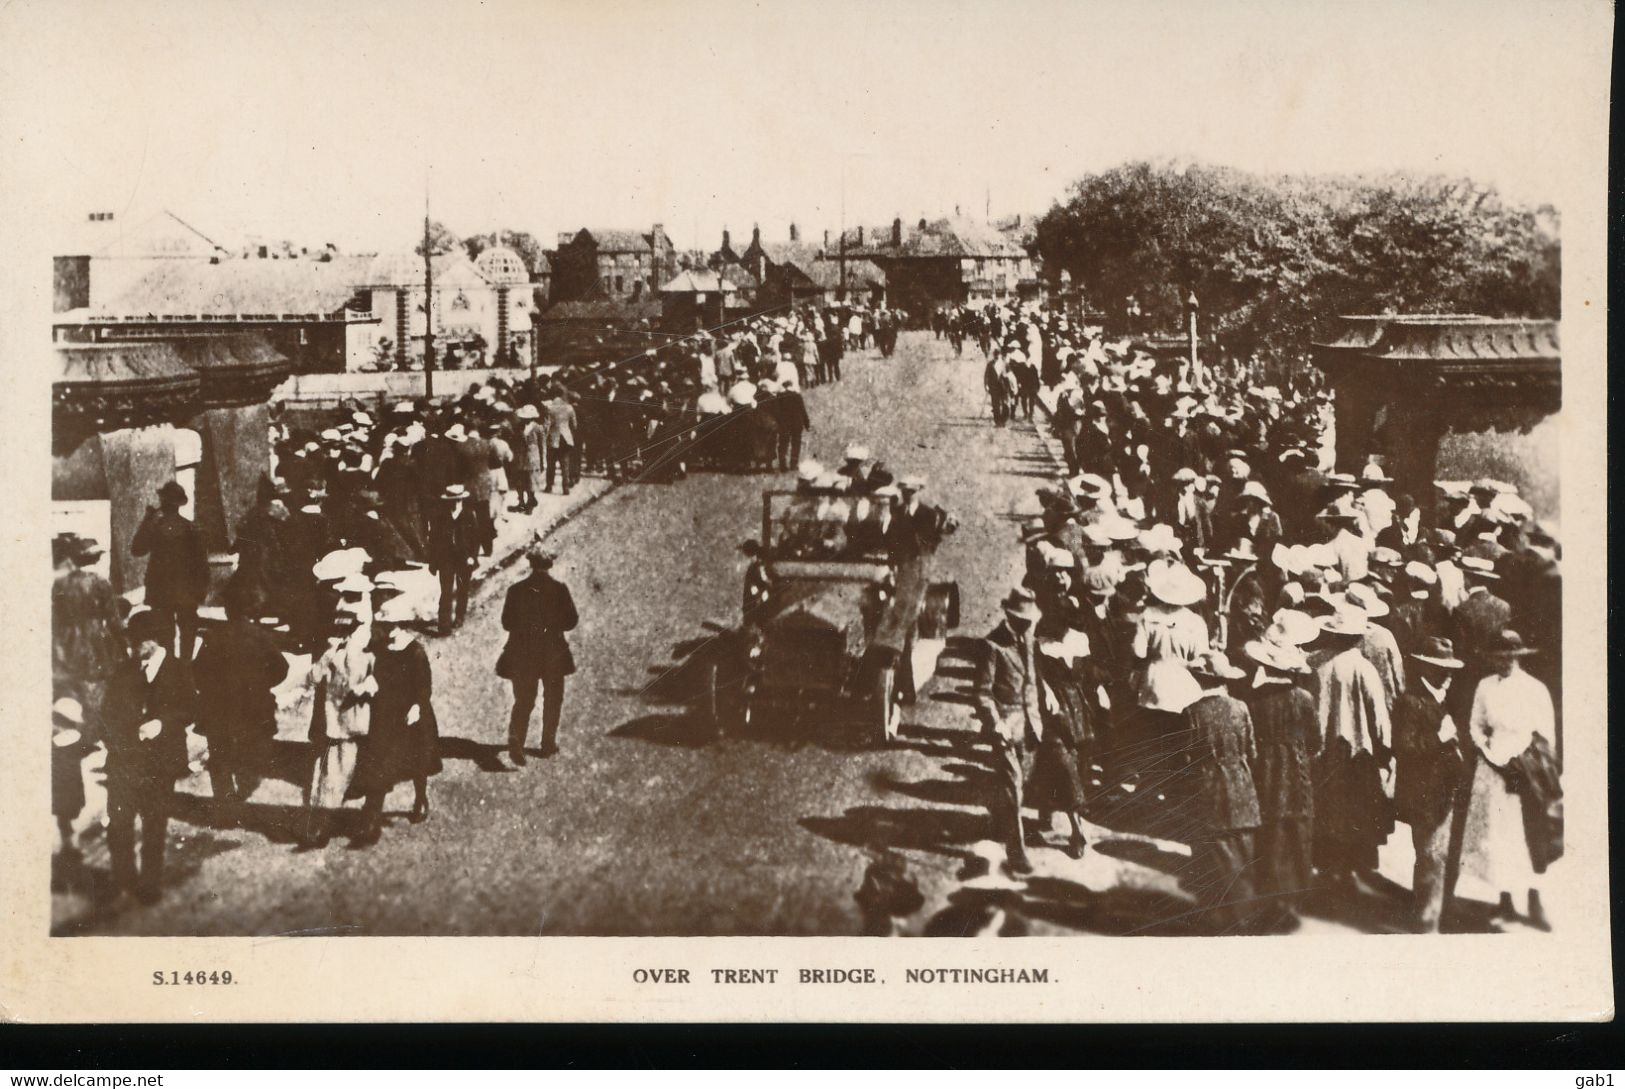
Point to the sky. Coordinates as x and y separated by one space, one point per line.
326 121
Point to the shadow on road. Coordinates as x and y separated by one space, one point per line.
484 756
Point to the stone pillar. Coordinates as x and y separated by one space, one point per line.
1411 434
1356 406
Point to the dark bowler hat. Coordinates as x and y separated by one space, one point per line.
1439 652
173 492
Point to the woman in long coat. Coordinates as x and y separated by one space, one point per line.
1287 734
1353 816
403 740
1069 680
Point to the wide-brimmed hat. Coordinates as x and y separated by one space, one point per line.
1438 651
1161 538
1342 481
1372 474
455 491
1279 656
1508 644
1419 574
1255 491
1055 557
1386 557
1345 619
528 412
912 482
1338 514
68 711
1242 551
858 452
1478 568
1117 527
1178 586
1215 665
1091 485
456 433
1020 603
87 550
1293 628
1366 598
340 563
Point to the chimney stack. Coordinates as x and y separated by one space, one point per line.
725 239
826 238
795 233
756 234
566 237
897 231
860 236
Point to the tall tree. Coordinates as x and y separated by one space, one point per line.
1271 257
441 239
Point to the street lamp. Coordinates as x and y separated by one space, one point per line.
1192 306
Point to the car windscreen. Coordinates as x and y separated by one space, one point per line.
828 527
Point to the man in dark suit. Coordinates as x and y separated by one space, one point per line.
536 616
148 705
1428 769
1007 706
177 566
454 543
237 669
919 527
790 409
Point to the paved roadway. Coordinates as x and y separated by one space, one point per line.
644 824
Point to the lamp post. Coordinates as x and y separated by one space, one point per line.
428 303
1192 306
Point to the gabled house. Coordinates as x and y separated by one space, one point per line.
612 262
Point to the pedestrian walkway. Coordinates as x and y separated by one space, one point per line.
80 888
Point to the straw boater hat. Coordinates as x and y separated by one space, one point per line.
1175 585
1420 576
1020 604
1509 644
1365 598
456 433
395 611
913 482
528 412
1097 536
1274 654
1254 490
1293 628
1478 568
858 452
1437 651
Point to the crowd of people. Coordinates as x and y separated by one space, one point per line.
348 515
1227 643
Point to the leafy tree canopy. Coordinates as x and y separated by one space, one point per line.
1270 258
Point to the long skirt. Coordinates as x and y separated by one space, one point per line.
1285 854
1222 881
335 767
1057 780
1353 815
1494 848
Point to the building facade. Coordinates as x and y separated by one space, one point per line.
612 263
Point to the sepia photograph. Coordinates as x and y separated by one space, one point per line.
981 471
